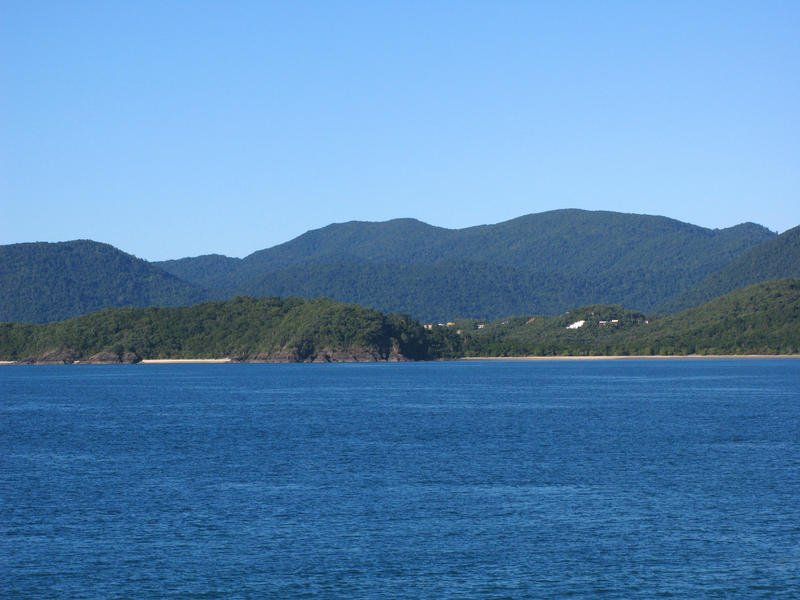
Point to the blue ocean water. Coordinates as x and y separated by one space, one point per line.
590 479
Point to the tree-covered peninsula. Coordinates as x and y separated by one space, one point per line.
759 319
243 329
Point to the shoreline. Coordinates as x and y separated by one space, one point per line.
631 357
224 361
184 361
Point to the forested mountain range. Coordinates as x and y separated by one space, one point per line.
536 264
539 263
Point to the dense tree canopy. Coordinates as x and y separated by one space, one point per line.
41 282
242 329
776 258
759 319
537 264
540 263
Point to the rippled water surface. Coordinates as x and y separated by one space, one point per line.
612 479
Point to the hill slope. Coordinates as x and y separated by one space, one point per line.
541 263
538 263
760 319
264 329
41 282
774 259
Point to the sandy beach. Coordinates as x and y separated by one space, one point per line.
182 361
220 361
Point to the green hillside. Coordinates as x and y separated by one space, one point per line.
541 263
536 264
432 293
773 259
209 271
291 330
41 282
760 319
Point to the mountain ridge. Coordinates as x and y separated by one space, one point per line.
538 263
50 281
601 256
533 223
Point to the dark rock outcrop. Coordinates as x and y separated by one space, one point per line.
63 356
113 358
67 356
327 355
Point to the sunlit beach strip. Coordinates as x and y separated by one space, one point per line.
219 361
179 361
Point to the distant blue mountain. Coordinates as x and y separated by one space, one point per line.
41 282
536 264
539 263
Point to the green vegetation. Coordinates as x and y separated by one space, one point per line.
41 282
243 329
540 263
759 319
430 292
537 264
552 336
774 259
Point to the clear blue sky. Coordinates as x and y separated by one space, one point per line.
180 128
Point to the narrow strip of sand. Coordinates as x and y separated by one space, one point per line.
183 361
220 361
